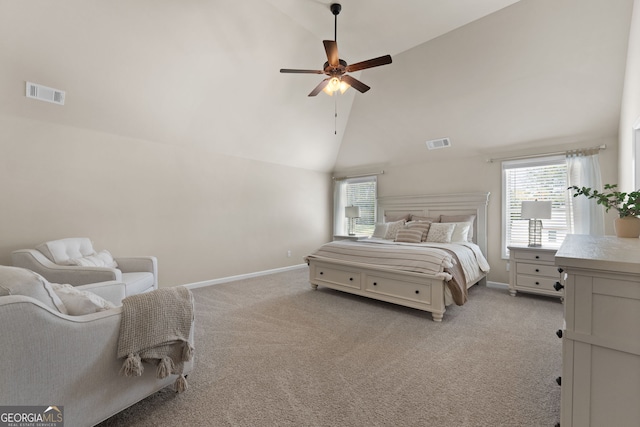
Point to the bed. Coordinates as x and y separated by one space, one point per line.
427 276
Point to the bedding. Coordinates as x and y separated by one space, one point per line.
458 264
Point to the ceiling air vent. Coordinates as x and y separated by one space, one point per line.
438 143
44 93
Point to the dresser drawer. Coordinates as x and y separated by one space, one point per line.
535 256
389 287
538 270
535 282
338 276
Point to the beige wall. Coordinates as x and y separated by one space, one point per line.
475 174
630 114
204 215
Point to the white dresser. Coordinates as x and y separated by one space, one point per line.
601 340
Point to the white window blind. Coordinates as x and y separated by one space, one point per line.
543 179
359 192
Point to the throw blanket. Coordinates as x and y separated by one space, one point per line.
155 328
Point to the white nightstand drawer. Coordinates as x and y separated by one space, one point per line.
538 270
534 256
544 283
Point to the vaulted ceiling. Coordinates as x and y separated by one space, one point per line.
486 73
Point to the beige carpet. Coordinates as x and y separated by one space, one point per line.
270 351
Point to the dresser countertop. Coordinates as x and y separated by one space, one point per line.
600 252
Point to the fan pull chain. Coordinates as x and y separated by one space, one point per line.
335 117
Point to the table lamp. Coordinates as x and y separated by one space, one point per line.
534 211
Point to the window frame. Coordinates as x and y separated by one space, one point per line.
525 163
340 224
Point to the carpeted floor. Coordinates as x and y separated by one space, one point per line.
270 351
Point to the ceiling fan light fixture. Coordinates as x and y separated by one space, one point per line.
335 84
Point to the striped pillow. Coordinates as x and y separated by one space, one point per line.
409 235
420 225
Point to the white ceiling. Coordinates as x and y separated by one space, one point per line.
204 73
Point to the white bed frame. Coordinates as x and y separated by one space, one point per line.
415 290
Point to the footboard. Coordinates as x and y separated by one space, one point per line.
403 288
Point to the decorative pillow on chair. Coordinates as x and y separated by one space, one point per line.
79 302
20 281
101 259
440 233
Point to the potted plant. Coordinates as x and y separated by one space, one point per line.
627 204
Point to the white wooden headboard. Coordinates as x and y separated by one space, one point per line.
441 204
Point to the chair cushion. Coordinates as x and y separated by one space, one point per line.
20 281
137 283
63 250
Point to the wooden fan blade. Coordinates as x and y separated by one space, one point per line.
319 88
331 48
287 70
375 62
356 84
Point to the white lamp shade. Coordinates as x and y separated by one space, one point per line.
536 210
352 211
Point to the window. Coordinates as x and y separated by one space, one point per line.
543 179
360 192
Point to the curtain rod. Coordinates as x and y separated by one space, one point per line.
533 156
338 178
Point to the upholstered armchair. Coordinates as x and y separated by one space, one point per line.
76 262
50 357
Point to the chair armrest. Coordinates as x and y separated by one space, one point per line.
112 290
74 275
140 263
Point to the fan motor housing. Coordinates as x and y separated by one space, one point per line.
335 71
336 8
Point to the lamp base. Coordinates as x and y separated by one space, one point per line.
535 233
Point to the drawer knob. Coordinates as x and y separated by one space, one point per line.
559 380
537 283
558 286
559 333
321 273
560 270
537 256
417 292
375 283
351 279
537 270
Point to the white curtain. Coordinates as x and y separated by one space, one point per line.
339 203
583 169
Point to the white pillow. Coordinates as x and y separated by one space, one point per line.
79 302
440 232
392 229
380 231
460 232
101 259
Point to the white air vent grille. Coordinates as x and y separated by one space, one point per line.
44 93
438 143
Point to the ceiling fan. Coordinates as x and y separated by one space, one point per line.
336 68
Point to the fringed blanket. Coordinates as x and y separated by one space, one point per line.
155 328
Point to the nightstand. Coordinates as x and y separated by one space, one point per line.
533 270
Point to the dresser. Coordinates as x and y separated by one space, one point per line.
533 270
601 337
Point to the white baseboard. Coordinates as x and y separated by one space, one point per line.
242 276
498 285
